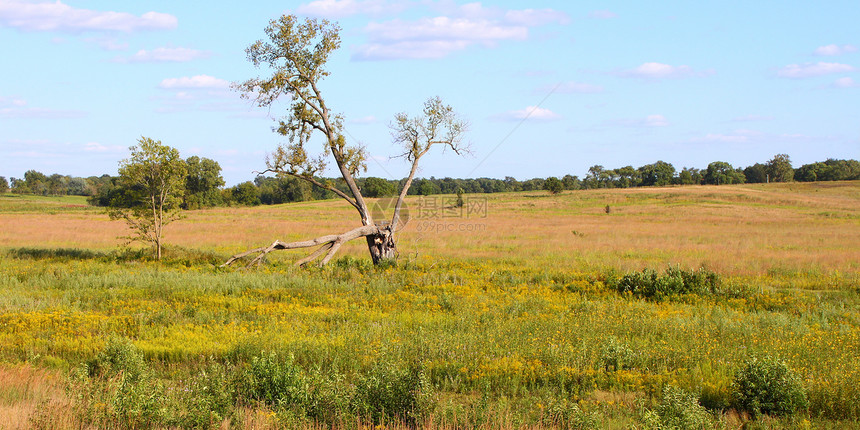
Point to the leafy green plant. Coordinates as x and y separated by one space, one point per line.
616 355
673 282
768 386
678 409
275 381
118 388
568 415
391 392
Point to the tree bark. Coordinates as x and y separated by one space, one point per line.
381 246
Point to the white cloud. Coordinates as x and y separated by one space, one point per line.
364 120
98 147
655 121
846 83
164 55
752 118
602 14
649 121
57 16
831 50
467 25
194 82
810 70
12 101
536 17
336 9
530 113
575 87
655 71
16 108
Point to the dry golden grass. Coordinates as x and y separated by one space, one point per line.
739 230
26 392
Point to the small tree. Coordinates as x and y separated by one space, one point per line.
153 179
4 185
553 185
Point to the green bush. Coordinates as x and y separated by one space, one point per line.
768 386
616 355
678 409
392 393
275 381
673 282
117 388
568 415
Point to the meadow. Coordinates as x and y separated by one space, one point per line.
512 312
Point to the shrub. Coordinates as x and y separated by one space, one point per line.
616 355
276 382
117 387
673 282
391 392
678 409
768 386
568 415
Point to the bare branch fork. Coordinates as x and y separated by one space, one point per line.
298 51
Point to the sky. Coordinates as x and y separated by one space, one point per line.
549 88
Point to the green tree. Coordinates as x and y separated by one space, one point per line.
246 194
689 176
721 173
203 183
756 174
779 168
154 182
35 182
377 187
4 185
658 174
571 182
553 185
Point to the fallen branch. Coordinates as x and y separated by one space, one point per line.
328 245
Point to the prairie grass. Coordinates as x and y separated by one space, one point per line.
516 327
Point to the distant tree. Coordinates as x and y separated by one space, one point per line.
779 168
658 174
203 183
533 184
18 186
78 187
512 184
154 182
689 176
553 185
56 184
593 179
246 194
571 182
720 173
460 202
627 176
35 182
378 187
4 185
842 170
756 174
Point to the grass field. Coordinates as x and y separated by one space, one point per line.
506 314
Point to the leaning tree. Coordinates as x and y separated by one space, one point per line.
297 53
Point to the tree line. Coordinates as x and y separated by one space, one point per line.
204 185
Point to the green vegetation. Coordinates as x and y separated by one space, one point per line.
542 338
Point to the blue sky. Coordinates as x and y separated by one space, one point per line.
549 87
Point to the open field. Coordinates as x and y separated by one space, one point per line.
503 315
